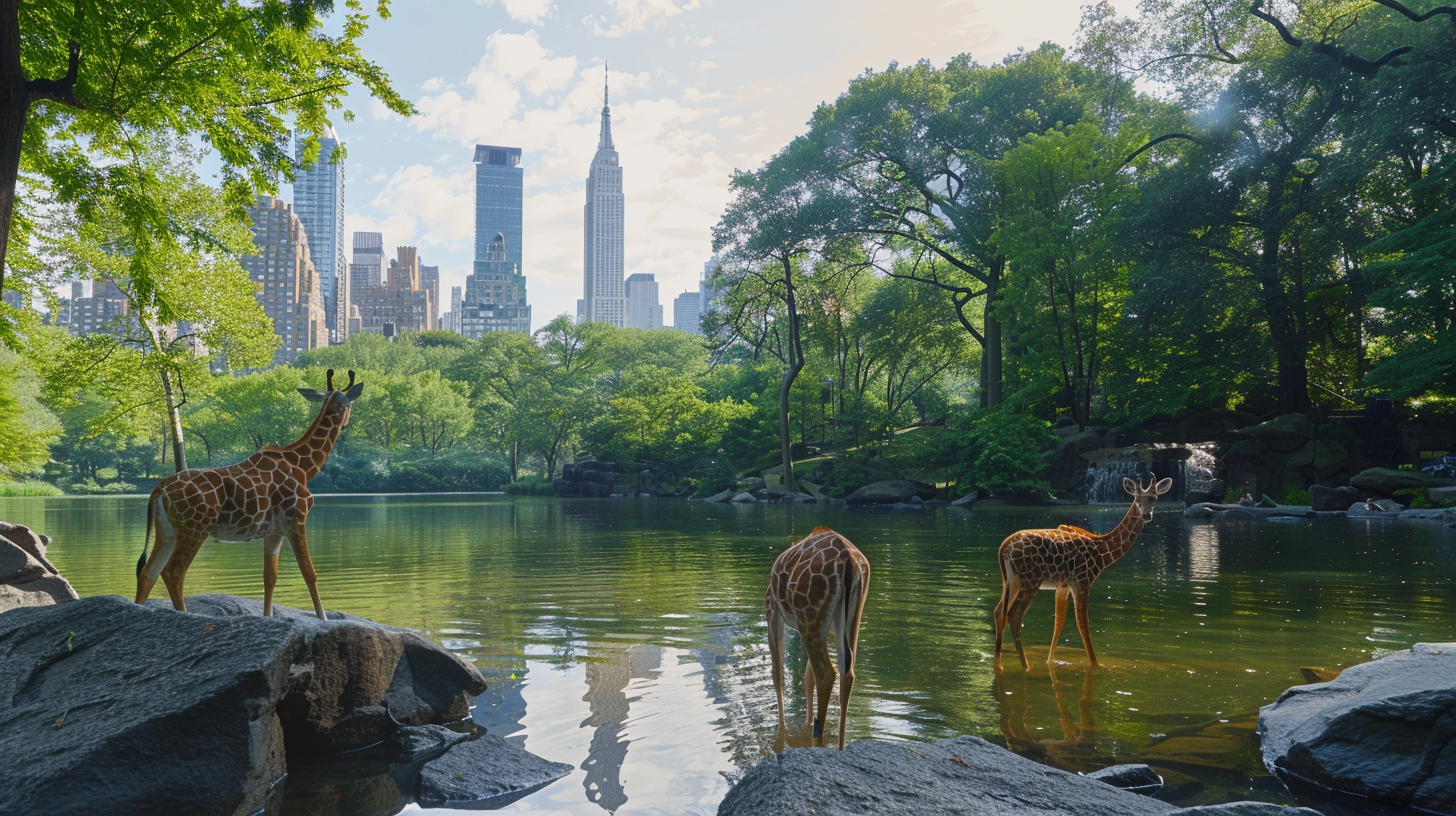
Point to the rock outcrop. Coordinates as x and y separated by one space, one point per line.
487 771
107 706
26 577
895 491
1383 730
954 777
590 479
1388 482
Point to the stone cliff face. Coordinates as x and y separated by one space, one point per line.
26 577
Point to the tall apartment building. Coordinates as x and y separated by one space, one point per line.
366 269
106 310
685 315
495 295
643 309
318 201
603 298
289 288
401 304
430 281
707 295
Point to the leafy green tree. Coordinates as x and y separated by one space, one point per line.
778 215
1000 451
188 297
660 415
27 428
84 84
1062 237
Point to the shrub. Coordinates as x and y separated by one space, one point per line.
1001 451
532 486
1295 496
29 487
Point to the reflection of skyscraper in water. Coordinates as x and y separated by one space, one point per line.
501 708
607 677
737 683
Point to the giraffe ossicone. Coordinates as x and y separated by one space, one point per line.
264 496
817 586
1068 559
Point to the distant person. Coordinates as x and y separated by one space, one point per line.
1246 500
1372 507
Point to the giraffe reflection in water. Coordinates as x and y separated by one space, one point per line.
1077 748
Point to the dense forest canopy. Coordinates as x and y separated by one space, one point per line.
1210 206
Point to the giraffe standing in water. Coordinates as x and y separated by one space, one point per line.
264 496
817 585
1067 559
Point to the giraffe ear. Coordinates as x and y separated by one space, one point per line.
1130 486
1164 486
353 393
312 394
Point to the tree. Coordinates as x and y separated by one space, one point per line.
913 149
187 295
1061 234
26 427
84 83
778 215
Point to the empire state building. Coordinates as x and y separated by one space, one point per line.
603 299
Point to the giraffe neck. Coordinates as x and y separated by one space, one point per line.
1120 540
313 448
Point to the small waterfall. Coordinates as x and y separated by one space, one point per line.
1190 466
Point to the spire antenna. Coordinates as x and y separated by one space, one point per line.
606 75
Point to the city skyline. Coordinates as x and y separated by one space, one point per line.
693 99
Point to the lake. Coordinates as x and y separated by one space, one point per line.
626 636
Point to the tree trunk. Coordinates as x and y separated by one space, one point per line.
991 351
1285 334
791 372
14 107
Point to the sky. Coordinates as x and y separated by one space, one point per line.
698 88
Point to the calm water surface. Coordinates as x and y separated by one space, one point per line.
626 637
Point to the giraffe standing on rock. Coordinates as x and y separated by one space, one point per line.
1067 559
264 496
816 585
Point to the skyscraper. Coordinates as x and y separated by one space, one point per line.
495 295
288 285
643 310
430 280
685 315
400 305
604 300
498 196
318 201
366 271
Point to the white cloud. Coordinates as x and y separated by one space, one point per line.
433 84
703 65
525 11
637 15
700 41
379 111
422 207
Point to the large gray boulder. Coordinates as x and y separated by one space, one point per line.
895 491
964 775
1330 499
1383 730
26 577
1386 481
111 707
487 771
1379 508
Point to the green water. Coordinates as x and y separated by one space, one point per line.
626 636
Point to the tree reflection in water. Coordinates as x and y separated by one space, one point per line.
1077 749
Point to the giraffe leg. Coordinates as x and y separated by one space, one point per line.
1014 617
1082 623
299 541
271 545
817 645
175 572
808 694
776 636
1010 588
848 644
1062 592
162 549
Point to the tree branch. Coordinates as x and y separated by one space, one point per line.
1153 143
61 90
1419 18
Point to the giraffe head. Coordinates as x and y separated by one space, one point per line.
1143 498
335 403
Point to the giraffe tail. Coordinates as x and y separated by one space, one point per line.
147 536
